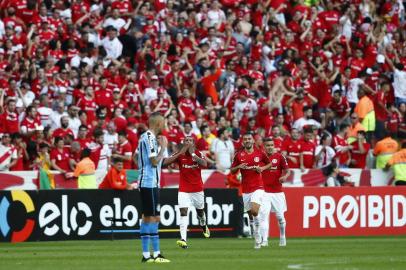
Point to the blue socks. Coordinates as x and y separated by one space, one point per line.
149 231
154 236
145 236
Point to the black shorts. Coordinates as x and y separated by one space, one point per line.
150 202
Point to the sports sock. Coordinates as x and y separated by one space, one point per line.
282 225
183 227
202 219
155 238
256 230
264 228
252 227
145 237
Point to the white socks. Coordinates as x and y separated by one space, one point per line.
183 227
256 232
264 228
202 219
282 226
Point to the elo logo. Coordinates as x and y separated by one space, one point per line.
25 232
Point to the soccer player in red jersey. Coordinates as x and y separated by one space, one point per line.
274 198
190 162
250 162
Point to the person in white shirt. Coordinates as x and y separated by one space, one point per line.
223 150
244 103
74 121
8 153
44 111
324 152
354 85
111 44
399 80
216 15
2 29
115 20
151 92
56 115
306 120
111 136
26 96
100 151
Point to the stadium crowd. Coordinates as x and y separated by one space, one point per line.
325 79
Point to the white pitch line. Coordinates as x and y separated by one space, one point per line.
309 265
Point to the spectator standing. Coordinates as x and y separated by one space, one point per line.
366 113
8 153
324 153
85 171
340 144
384 150
60 157
111 44
359 151
307 149
398 164
222 150
123 150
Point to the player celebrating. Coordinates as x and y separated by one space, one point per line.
250 161
274 199
190 162
149 162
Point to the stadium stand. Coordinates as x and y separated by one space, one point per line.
76 74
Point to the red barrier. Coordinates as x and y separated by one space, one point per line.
344 211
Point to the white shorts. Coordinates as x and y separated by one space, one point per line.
275 202
253 197
195 199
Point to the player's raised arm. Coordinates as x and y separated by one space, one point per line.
200 160
174 157
153 157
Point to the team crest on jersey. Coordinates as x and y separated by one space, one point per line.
274 160
256 159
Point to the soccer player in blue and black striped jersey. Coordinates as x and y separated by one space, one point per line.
150 158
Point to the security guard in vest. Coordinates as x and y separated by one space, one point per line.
398 164
384 150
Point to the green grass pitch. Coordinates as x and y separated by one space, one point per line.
211 254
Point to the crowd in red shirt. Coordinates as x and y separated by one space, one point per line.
278 68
